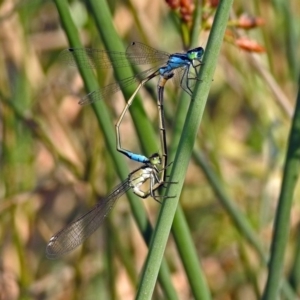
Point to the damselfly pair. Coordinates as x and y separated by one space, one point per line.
153 169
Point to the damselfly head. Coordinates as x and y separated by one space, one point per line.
155 159
195 53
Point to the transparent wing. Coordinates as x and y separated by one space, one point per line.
93 58
136 54
141 54
178 73
77 232
114 87
189 80
186 79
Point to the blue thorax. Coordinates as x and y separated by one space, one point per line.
181 60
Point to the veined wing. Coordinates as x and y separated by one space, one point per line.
114 87
94 58
136 54
141 54
77 232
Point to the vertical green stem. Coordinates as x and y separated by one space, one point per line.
182 158
104 21
282 220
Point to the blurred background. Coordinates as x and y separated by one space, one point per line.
54 164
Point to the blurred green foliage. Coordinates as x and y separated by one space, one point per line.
54 162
